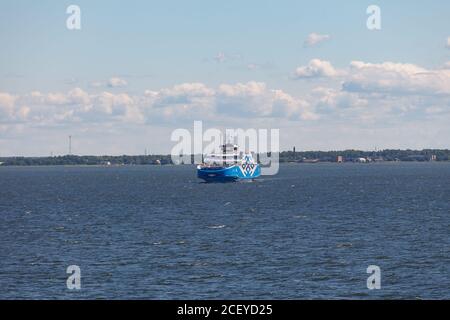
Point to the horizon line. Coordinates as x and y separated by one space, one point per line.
168 154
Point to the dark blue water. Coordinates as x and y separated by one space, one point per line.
152 232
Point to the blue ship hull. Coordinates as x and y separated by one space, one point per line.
228 174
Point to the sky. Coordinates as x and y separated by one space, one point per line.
138 70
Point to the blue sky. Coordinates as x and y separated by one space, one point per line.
130 57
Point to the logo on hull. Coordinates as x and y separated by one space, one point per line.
248 167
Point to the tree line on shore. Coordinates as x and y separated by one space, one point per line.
285 156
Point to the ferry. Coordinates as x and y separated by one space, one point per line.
228 166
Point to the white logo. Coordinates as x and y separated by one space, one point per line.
248 166
73 22
74 280
374 20
374 280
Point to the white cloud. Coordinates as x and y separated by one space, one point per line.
382 78
10 111
244 99
57 99
78 96
332 98
188 90
284 105
224 57
113 103
396 78
314 39
251 88
181 102
116 82
365 98
254 99
7 103
74 96
316 69
365 92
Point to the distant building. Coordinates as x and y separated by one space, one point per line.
433 157
340 159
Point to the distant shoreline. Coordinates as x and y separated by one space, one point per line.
194 165
426 155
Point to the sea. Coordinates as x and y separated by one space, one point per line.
313 231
